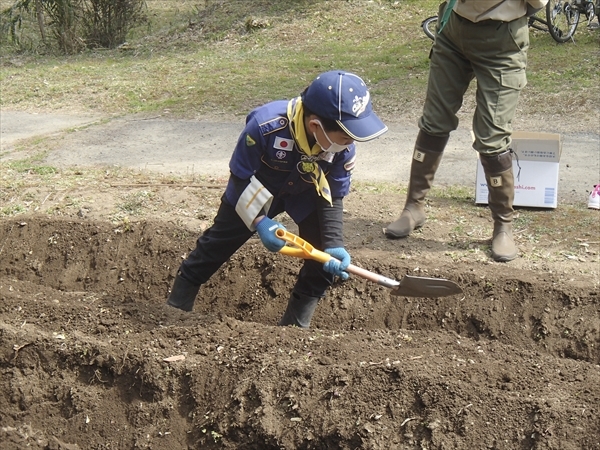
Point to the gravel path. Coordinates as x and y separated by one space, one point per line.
204 148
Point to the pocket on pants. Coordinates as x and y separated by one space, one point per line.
519 32
511 84
514 80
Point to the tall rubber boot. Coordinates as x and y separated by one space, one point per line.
299 311
426 160
183 294
501 187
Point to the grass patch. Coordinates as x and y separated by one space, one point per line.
230 56
134 203
28 166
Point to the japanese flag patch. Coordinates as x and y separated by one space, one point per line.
283 143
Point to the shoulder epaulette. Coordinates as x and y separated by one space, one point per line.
275 124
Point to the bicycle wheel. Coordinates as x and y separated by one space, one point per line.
562 20
429 26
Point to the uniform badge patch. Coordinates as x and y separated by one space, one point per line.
350 164
283 143
249 141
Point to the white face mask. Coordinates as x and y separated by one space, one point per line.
334 147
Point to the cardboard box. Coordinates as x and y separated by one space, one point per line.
536 181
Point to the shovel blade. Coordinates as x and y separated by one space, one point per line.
426 287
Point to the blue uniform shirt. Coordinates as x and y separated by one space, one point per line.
266 150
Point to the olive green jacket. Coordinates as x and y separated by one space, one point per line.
504 10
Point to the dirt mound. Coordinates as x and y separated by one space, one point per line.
92 359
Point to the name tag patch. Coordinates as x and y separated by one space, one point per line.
495 181
418 156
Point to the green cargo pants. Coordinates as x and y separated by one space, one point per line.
495 54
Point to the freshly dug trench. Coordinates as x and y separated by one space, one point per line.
85 342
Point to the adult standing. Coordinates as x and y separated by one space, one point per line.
486 40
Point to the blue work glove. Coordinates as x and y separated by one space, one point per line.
266 230
338 265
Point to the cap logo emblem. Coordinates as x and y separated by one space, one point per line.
359 104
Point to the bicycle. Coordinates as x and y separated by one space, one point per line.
429 26
561 20
564 17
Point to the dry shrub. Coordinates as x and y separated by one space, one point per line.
70 26
107 22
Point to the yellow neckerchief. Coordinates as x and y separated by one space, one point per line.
308 164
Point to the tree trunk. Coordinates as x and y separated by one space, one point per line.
39 10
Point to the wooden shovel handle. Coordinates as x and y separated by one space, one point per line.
299 248
409 286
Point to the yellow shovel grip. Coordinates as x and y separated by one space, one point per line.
299 248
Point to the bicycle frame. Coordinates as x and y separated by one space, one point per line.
533 23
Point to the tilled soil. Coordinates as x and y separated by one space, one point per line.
91 358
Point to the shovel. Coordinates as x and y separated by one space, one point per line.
409 286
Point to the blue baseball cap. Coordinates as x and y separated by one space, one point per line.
344 97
